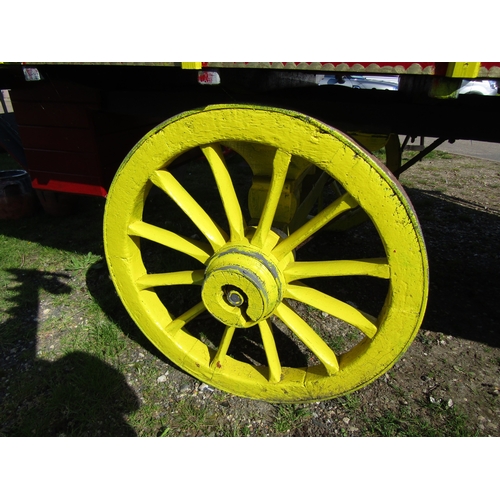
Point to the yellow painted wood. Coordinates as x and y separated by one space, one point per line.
220 356
260 158
242 279
310 338
242 271
463 69
272 355
302 212
372 142
166 181
191 65
174 326
232 207
377 267
198 250
330 305
169 279
287 204
281 161
336 208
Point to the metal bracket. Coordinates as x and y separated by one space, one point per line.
420 155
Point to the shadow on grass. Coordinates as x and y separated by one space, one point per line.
101 288
80 232
77 395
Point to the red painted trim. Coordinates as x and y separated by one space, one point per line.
70 187
489 65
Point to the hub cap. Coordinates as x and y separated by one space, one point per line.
242 286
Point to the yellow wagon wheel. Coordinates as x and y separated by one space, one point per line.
391 143
243 325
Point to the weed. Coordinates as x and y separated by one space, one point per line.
311 309
82 262
192 419
337 343
166 432
234 430
380 154
425 338
290 417
105 339
440 420
350 402
399 391
387 425
454 422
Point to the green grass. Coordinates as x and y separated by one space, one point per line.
438 421
350 402
192 419
290 417
437 154
82 262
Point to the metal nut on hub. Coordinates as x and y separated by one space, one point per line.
235 297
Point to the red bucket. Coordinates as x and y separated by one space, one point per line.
17 198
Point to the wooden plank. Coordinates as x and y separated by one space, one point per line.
53 114
107 122
55 91
61 162
114 147
57 138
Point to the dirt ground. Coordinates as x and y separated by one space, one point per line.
456 358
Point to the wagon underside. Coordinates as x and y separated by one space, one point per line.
76 124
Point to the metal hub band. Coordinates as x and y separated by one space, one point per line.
242 286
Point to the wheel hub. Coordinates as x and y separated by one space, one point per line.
242 286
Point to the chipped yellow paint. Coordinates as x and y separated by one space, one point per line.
372 142
463 69
249 275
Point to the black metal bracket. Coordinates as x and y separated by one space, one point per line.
420 155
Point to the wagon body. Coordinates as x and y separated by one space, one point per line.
299 164
76 122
